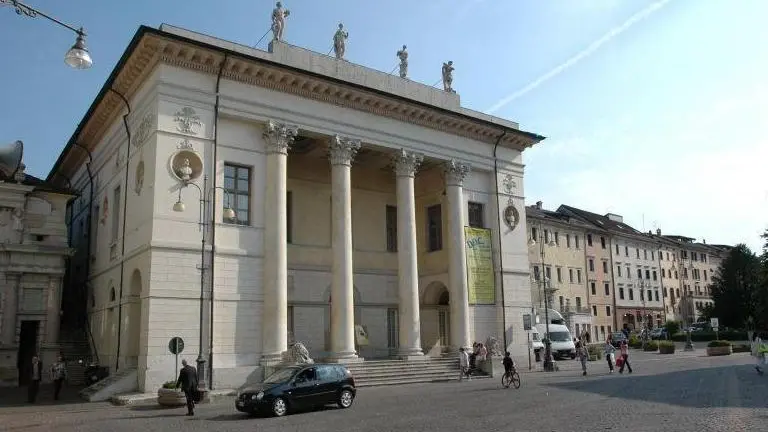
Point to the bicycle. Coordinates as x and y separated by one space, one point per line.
511 378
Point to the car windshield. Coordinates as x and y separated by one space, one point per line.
281 376
559 336
619 335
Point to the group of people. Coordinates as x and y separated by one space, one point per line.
582 353
58 373
468 361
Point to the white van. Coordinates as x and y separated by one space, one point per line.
559 335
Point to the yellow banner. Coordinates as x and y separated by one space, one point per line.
480 278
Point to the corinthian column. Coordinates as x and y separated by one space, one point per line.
278 138
455 172
342 151
406 164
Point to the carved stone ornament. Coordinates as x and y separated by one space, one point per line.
342 150
298 354
279 136
509 187
184 171
511 217
407 163
145 129
455 173
139 180
188 121
185 145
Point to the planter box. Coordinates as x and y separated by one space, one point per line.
719 351
666 349
171 397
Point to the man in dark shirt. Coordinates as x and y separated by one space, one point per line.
509 365
35 376
188 383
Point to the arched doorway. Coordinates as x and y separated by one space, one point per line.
435 318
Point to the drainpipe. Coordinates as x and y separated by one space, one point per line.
498 216
122 240
213 216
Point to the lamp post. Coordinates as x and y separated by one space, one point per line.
686 303
203 223
645 313
548 363
76 57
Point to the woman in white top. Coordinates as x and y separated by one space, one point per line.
757 343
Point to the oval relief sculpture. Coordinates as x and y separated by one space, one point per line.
186 165
511 217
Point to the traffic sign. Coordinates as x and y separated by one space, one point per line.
176 345
715 323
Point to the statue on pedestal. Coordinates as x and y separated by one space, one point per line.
340 41
298 354
448 77
279 14
403 56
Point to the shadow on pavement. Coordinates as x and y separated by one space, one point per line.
17 396
725 387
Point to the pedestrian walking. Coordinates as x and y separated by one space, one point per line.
759 351
463 364
58 376
583 355
625 357
35 376
609 350
188 383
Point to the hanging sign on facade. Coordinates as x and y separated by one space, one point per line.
480 278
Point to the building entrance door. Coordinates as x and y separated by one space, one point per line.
27 349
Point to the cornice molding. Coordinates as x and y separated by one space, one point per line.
154 49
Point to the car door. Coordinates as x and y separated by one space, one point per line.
304 388
328 384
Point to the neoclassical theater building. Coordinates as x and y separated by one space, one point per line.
244 199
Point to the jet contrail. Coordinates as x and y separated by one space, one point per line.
594 46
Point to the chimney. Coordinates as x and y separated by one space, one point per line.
539 204
704 241
614 217
658 232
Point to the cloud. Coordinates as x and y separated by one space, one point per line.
594 46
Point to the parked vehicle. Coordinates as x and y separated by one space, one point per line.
301 386
617 338
659 333
561 339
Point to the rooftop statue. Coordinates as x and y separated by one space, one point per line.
340 42
279 14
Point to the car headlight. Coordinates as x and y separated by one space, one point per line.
258 396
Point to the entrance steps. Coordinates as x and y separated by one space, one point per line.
391 372
76 350
124 381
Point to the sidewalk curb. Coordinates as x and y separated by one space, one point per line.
133 398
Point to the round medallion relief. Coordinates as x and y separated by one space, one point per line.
186 165
511 217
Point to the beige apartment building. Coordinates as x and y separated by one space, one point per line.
669 255
557 253
600 282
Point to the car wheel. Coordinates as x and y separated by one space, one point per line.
345 399
279 407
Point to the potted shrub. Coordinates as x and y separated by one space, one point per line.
719 347
666 347
168 395
651 345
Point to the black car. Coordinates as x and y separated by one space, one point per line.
617 338
300 386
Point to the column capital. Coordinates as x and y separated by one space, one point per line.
455 172
279 136
342 150
407 163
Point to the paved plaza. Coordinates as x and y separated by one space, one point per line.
683 392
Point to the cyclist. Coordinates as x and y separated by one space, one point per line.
509 365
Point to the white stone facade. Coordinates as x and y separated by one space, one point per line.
310 161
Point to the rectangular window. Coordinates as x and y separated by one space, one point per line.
557 238
589 240
629 273
116 197
645 254
393 336
570 275
639 274
626 251
652 256
559 275
592 286
548 272
605 267
656 295
607 287
609 329
533 234
655 276
591 265
617 250
642 295
568 240
618 268
607 311
391 228
434 228
631 294
476 216
637 252
602 242
621 293
536 273
576 239
578 303
594 310
237 184
647 274
578 275
650 296
663 273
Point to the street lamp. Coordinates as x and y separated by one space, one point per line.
645 313
686 302
78 56
203 222
549 365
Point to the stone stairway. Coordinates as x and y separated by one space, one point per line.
74 346
391 372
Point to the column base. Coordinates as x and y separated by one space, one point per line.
411 354
272 359
344 358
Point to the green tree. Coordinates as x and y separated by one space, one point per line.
761 296
706 311
736 288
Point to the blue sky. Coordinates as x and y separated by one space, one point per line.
661 122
